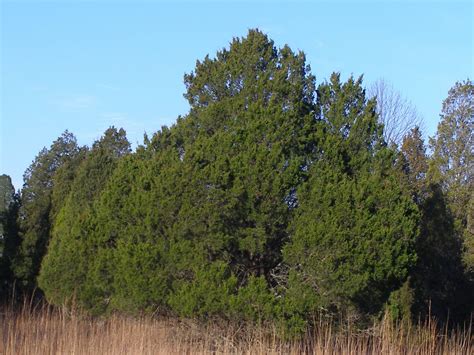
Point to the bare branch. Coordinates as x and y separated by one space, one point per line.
396 113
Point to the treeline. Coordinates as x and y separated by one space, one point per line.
273 199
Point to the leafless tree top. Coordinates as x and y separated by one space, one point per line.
396 113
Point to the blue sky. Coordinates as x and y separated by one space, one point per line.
86 65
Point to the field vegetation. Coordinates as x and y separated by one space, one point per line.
48 330
279 215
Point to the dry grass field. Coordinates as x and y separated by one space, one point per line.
51 331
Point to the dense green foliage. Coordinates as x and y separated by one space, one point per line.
452 163
7 192
34 216
438 278
271 200
355 229
8 233
71 224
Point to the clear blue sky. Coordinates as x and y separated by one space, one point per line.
86 65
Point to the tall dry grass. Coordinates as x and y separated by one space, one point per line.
51 331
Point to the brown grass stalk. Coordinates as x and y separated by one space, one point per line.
47 330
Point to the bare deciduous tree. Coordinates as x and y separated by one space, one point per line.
396 113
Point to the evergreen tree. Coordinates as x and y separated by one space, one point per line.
469 237
415 164
63 180
437 278
9 205
268 200
452 165
214 192
250 109
65 266
353 234
7 191
34 215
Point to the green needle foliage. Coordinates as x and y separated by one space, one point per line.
353 235
65 266
9 204
205 206
7 192
270 201
34 215
438 278
452 164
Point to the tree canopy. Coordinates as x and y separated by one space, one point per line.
34 215
273 199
